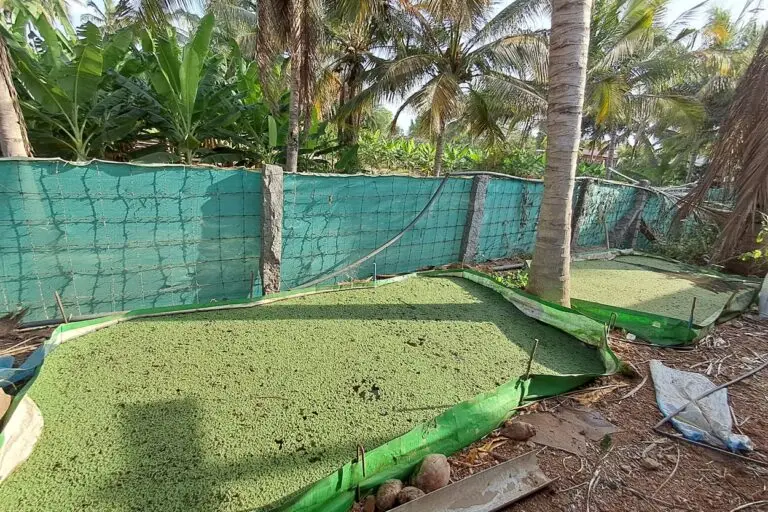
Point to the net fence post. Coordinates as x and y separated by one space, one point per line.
271 227
579 210
470 240
641 198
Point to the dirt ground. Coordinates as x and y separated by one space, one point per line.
614 475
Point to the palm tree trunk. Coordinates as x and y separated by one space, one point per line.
610 160
439 148
292 144
692 165
294 106
13 132
569 41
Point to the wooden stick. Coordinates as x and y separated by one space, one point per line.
60 305
674 470
530 359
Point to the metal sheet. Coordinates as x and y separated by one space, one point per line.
487 491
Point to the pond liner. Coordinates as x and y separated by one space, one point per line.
668 331
447 433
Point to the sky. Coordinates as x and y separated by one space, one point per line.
677 7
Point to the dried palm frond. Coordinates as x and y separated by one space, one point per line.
740 158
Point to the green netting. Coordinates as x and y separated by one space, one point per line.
604 206
113 237
331 221
509 219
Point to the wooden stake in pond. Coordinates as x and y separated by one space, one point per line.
60 305
530 359
690 318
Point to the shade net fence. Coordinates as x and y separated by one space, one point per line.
114 237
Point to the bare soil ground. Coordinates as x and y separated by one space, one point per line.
613 476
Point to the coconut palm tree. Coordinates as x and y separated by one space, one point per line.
17 14
449 62
13 133
568 54
111 16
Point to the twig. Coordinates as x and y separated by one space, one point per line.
735 420
710 447
747 505
587 390
674 470
655 500
592 484
582 484
60 305
530 359
634 390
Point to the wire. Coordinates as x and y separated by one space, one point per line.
389 243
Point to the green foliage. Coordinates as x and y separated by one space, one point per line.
761 252
126 88
69 98
138 94
694 244
514 279
378 152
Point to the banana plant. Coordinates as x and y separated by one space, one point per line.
190 99
66 93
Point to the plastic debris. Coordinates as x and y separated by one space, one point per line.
707 420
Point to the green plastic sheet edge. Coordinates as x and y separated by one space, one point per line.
449 432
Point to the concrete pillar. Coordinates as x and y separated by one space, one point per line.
471 238
271 227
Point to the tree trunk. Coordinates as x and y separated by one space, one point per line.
294 106
569 41
692 165
610 161
439 147
13 132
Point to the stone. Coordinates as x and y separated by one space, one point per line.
650 463
409 494
518 430
370 504
386 496
434 473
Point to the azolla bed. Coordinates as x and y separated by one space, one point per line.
235 409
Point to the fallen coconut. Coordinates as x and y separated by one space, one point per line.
434 473
409 494
386 497
370 504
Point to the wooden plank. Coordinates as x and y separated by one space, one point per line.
487 491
